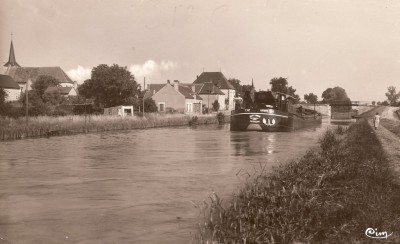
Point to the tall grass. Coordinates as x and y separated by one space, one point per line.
331 195
392 125
11 129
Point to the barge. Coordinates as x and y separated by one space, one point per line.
271 112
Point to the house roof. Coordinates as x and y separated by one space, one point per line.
12 61
8 83
188 93
152 89
209 89
22 74
61 90
217 78
185 91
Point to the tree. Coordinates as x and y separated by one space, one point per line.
110 86
392 96
215 105
336 94
311 98
3 96
384 103
150 105
239 89
54 98
281 85
339 96
35 104
42 83
373 103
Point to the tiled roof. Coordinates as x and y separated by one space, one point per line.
209 89
7 82
217 78
153 89
61 90
188 93
185 91
22 74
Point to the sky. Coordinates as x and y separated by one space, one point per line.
354 44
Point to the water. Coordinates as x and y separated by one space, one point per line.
131 186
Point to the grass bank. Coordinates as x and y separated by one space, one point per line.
392 125
330 195
11 129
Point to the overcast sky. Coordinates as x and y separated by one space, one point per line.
354 44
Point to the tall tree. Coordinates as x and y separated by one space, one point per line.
281 85
392 96
110 86
3 96
311 98
239 89
42 83
336 94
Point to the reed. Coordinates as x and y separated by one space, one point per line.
12 129
330 195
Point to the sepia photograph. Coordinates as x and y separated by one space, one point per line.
199 121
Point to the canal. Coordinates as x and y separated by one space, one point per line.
129 186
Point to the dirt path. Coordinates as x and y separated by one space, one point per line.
390 141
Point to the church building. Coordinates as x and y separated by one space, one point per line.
22 74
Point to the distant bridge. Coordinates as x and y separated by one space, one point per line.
351 103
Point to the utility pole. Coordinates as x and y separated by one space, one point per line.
144 88
26 101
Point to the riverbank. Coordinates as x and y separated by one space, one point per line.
12 129
331 195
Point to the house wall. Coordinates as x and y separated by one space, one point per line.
209 99
192 102
13 94
171 98
117 111
72 92
66 85
230 94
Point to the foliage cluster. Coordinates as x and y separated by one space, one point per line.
239 89
331 195
281 85
111 86
392 96
39 102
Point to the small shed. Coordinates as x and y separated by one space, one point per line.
122 111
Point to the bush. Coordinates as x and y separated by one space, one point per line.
216 105
221 118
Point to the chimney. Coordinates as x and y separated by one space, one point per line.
176 85
193 88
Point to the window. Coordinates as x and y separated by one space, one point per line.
161 107
188 107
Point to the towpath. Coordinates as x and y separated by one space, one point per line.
390 141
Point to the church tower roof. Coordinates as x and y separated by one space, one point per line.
11 59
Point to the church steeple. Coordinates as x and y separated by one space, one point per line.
11 59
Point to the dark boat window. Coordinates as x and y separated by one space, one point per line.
264 98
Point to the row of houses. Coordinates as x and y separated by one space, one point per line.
190 98
171 96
